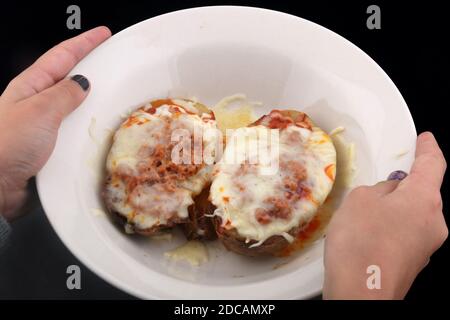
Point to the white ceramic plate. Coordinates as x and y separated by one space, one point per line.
209 53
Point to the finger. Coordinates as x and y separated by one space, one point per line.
60 99
430 165
385 187
54 65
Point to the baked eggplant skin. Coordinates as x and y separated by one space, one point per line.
200 225
231 240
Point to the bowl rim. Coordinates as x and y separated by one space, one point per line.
104 274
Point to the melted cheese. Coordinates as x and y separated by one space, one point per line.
234 112
237 196
152 205
345 158
194 252
98 212
166 236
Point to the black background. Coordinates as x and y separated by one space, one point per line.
409 47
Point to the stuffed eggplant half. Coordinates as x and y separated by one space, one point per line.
145 187
261 206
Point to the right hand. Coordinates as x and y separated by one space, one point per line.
396 225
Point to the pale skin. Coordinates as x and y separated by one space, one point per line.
395 225
31 110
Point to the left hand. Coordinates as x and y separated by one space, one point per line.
31 110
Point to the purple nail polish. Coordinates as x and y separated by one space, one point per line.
397 175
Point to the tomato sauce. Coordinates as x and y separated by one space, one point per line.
303 237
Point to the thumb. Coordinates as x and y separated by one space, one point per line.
62 98
430 165
385 187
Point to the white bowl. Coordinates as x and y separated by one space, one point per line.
212 52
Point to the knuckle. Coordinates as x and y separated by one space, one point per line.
441 235
431 199
437 157
434 200
45 99
13 82
444 161
61 50
360 191
444 233
46 108
68 92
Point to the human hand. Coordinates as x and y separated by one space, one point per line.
31 110
396 225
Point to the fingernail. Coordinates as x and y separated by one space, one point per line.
426 135
397 175
82 81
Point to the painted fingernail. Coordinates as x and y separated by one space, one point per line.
397 175
82 81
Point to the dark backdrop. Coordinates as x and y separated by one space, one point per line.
409 47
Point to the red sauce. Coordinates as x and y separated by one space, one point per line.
262 216
277 119
160 102
329 171
134 120
303 122
156 104
227 225
308 232
151 110
303 237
